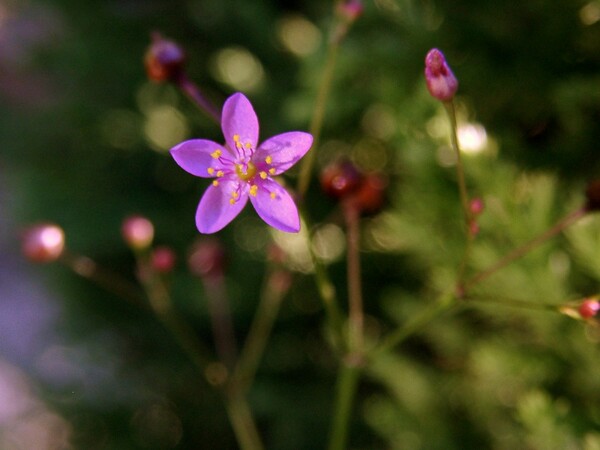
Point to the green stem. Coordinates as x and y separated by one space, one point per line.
355 302
518 252
243 424
273 293
345 392
512 303
443 304
318 115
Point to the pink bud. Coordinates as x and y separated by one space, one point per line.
207 258
164 59
351 9
137 232
589 308
44 242
163 259
441 82
476 206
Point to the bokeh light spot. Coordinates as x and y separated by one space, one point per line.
165 127
589 14
298 35
238 68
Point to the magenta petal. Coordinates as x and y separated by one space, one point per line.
194 156
278 210
215 209
239 118
285 150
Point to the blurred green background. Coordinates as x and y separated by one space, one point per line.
83 143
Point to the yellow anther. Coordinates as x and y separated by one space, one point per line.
210 171
215 183
268 159
253 190
263 175
231 201
220 173
216 154
236 137
248 145
235 195
273 195
272 170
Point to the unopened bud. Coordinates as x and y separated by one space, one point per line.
350 10
369 197
44 242
592 194
207 258
441 82
589 308
476 206
164 59
137 232
163 259
340 179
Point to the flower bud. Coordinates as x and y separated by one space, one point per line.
476 206
164 59
589 308
163 259
207 258
340 179
369 197
43 242
137 232
441 82
592 194
350 10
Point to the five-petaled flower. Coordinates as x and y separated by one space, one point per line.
243 170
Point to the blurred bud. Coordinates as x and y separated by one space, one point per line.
164 59
592 194
476 206
369 196
339 179
207 258
137 232
350 10
473 228
163 259
589 308
441 82
43 242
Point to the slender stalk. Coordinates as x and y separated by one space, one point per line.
513 303
443 304
220 315
275 288
193 92
355 302
243 423
345 392
518 252
318 115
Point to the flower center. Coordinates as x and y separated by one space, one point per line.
245 171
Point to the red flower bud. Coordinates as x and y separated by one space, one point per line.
441 82
137 232
589 308
476 206
164 59
369 197
340 179
44 242
350 10
163 259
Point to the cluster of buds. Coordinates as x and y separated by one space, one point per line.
138 233
476 207
343 181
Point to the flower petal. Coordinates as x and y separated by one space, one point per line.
216 210
239 118
284 150
275 206
196 156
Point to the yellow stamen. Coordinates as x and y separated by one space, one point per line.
268 160
231 201
248 145
216 154
235 195
263 175
236 137
272 170
273 195
220 173
210 171
247 174
215 183
253 190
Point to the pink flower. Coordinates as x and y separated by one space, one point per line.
441 82
243 170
